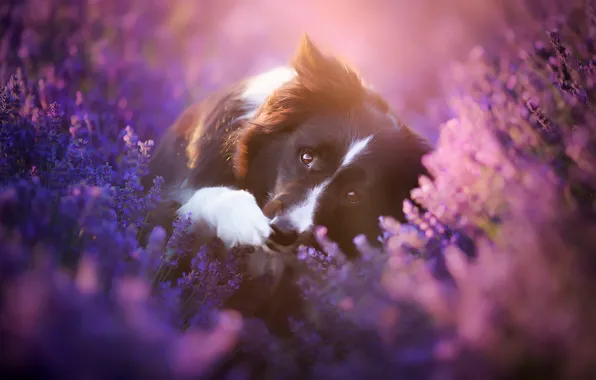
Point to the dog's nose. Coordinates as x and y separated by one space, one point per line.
284 232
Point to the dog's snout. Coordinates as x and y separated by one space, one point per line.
272 208
284 232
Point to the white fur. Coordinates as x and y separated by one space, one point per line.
356 148
260 87
302 215
232 215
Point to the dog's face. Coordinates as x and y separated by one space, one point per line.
331 155
341 173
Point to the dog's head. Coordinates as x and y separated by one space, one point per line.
324 149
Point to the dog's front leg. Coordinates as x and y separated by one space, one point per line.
232 215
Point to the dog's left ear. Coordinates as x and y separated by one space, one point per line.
402 151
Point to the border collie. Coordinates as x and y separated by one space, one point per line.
263 162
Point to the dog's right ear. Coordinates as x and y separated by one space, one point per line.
325 77
308 60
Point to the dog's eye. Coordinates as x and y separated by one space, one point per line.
352 197
307 156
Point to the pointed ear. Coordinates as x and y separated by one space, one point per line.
326 76
308 59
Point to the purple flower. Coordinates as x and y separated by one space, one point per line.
493 269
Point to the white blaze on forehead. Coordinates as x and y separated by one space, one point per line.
260 87
356 148
302 215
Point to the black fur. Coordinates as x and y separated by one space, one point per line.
324 108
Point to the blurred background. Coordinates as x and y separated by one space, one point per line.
98 67
160 55
400 46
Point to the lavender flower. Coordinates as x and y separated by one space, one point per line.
490 277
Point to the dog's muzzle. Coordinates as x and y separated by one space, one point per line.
285 236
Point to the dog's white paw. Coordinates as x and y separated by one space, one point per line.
239 220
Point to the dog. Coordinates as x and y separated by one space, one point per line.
263 162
